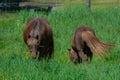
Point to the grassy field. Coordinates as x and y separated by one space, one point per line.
16 63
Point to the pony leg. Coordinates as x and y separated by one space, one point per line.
83 57
79 59
79 47
88 52
41 54
51 50
89 56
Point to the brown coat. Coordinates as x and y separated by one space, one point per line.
85 43
39 38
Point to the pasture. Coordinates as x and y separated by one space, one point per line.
16 63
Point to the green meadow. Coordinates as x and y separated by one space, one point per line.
15 60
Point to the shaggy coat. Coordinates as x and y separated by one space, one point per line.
39 38
85 43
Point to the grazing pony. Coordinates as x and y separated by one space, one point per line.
39 38
84 44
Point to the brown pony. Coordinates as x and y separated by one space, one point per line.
85 43
39 38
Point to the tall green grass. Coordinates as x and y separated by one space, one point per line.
16 63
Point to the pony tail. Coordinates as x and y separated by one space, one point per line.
95 45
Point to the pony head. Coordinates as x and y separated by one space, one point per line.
33 44
74 57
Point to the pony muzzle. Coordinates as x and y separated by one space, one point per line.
33 54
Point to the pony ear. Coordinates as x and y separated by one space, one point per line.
68 49
75 49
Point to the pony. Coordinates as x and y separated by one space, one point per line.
85 44
38 36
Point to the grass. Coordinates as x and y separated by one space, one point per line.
16 63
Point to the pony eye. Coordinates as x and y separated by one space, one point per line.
37 37
29 36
